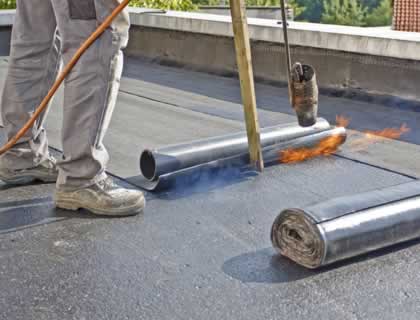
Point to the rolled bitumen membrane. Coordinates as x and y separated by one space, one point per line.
188 163
346 227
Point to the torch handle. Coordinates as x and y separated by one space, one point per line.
287 47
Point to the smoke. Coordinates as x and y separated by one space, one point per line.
208 177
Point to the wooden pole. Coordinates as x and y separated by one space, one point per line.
246 76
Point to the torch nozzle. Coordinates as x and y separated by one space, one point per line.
304 91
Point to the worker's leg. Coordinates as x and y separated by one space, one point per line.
33 66
90 89
89 99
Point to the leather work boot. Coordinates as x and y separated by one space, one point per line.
46 171
103 198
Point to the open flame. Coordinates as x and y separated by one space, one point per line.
325 147
341 121
390 133
330 145
370 136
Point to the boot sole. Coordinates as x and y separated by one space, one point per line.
72 205
24 180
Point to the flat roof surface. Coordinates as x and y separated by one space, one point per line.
204 252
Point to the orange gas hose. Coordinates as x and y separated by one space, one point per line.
98 32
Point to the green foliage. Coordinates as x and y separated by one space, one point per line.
381 15
347 12
251 3
354 13
182 5
263 3
209 2
370 4
7 4
307 10
298 8
313 10
344 12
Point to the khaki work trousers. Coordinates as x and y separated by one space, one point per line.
45 34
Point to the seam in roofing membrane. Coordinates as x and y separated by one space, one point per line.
375 166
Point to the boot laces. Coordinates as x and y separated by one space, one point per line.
49 163
107 184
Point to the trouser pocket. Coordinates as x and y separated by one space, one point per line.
82 9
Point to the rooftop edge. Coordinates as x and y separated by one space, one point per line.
380 41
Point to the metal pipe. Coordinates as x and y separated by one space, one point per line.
286 40
210 160
348 226
154 163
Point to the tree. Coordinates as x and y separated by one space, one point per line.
381 15
7 4
209 2
262 3
185 5
370 4
344 12
297 7
182 5
307 10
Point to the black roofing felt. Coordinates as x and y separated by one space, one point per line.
198 252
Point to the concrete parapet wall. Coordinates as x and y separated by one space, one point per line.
349 60
373 41
251 12
338 72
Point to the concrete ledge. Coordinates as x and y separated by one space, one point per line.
361 63
351 61
7 17
252 11
353 75
371 41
